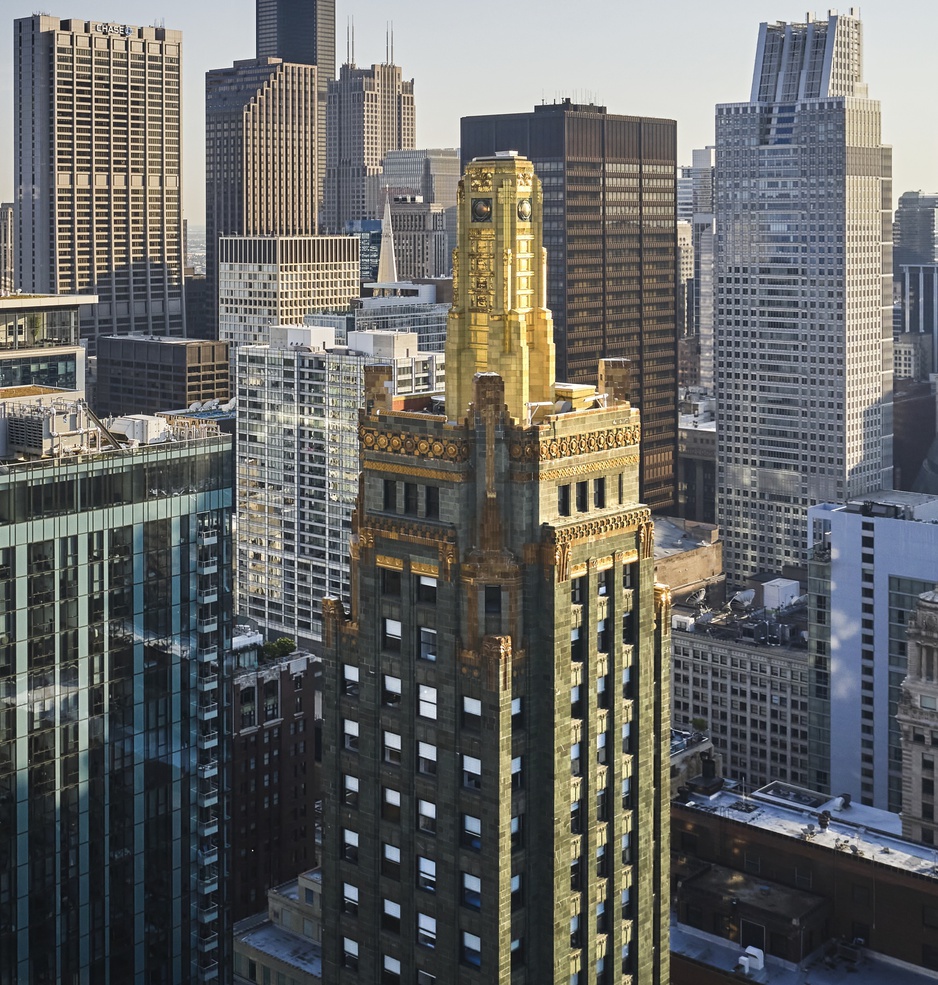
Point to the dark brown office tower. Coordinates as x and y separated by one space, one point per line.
146 374
610 233
272 778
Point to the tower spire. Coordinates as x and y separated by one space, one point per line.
499 322
387 264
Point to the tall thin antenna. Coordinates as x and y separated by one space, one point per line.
392 42
348 41
353 39
387 42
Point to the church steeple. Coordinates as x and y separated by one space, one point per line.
499 322
387 263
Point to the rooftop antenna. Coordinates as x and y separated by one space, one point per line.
348 41
392 42
387 42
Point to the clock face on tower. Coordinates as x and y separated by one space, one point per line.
524 210
481 210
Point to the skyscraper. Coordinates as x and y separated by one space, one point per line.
261 153
115 558
803 334
370 112
302 31
495 745
98 172
609 201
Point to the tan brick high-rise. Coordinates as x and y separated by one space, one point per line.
495 744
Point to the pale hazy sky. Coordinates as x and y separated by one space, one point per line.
675 59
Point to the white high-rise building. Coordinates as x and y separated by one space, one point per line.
98 170
298 463
871 559
803 293
277 280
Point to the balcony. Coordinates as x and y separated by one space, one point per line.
209 884
208 972
208 794
207 538
208 770
208 826
207 625
208 857
207 566
208 914
209 683
206 596
208 711
208 942
207 654
208 740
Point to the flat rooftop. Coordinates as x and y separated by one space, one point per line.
271 940
792 811
826 966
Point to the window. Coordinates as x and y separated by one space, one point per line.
390 494
391 916
350 790
576 645
517 776
626 903
602 805
471 891
627 737
575 768
427 644
350 899
471 713
392 748
516 948
601 925
426 817
433 502
582 496
563 500
599 493
576 705
426 705
410 498
426 589
350 734
575 930
426 874
350 680
471 832
390 691
604 582
391 861
602 694
426 758
517 713
627 792
391 805
426 930
472 772
391 635
390 971
601 748
391 583
349 954
517 892
577 590
349 845
576 823
517 832
602 636
425 978
493 600
471 949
